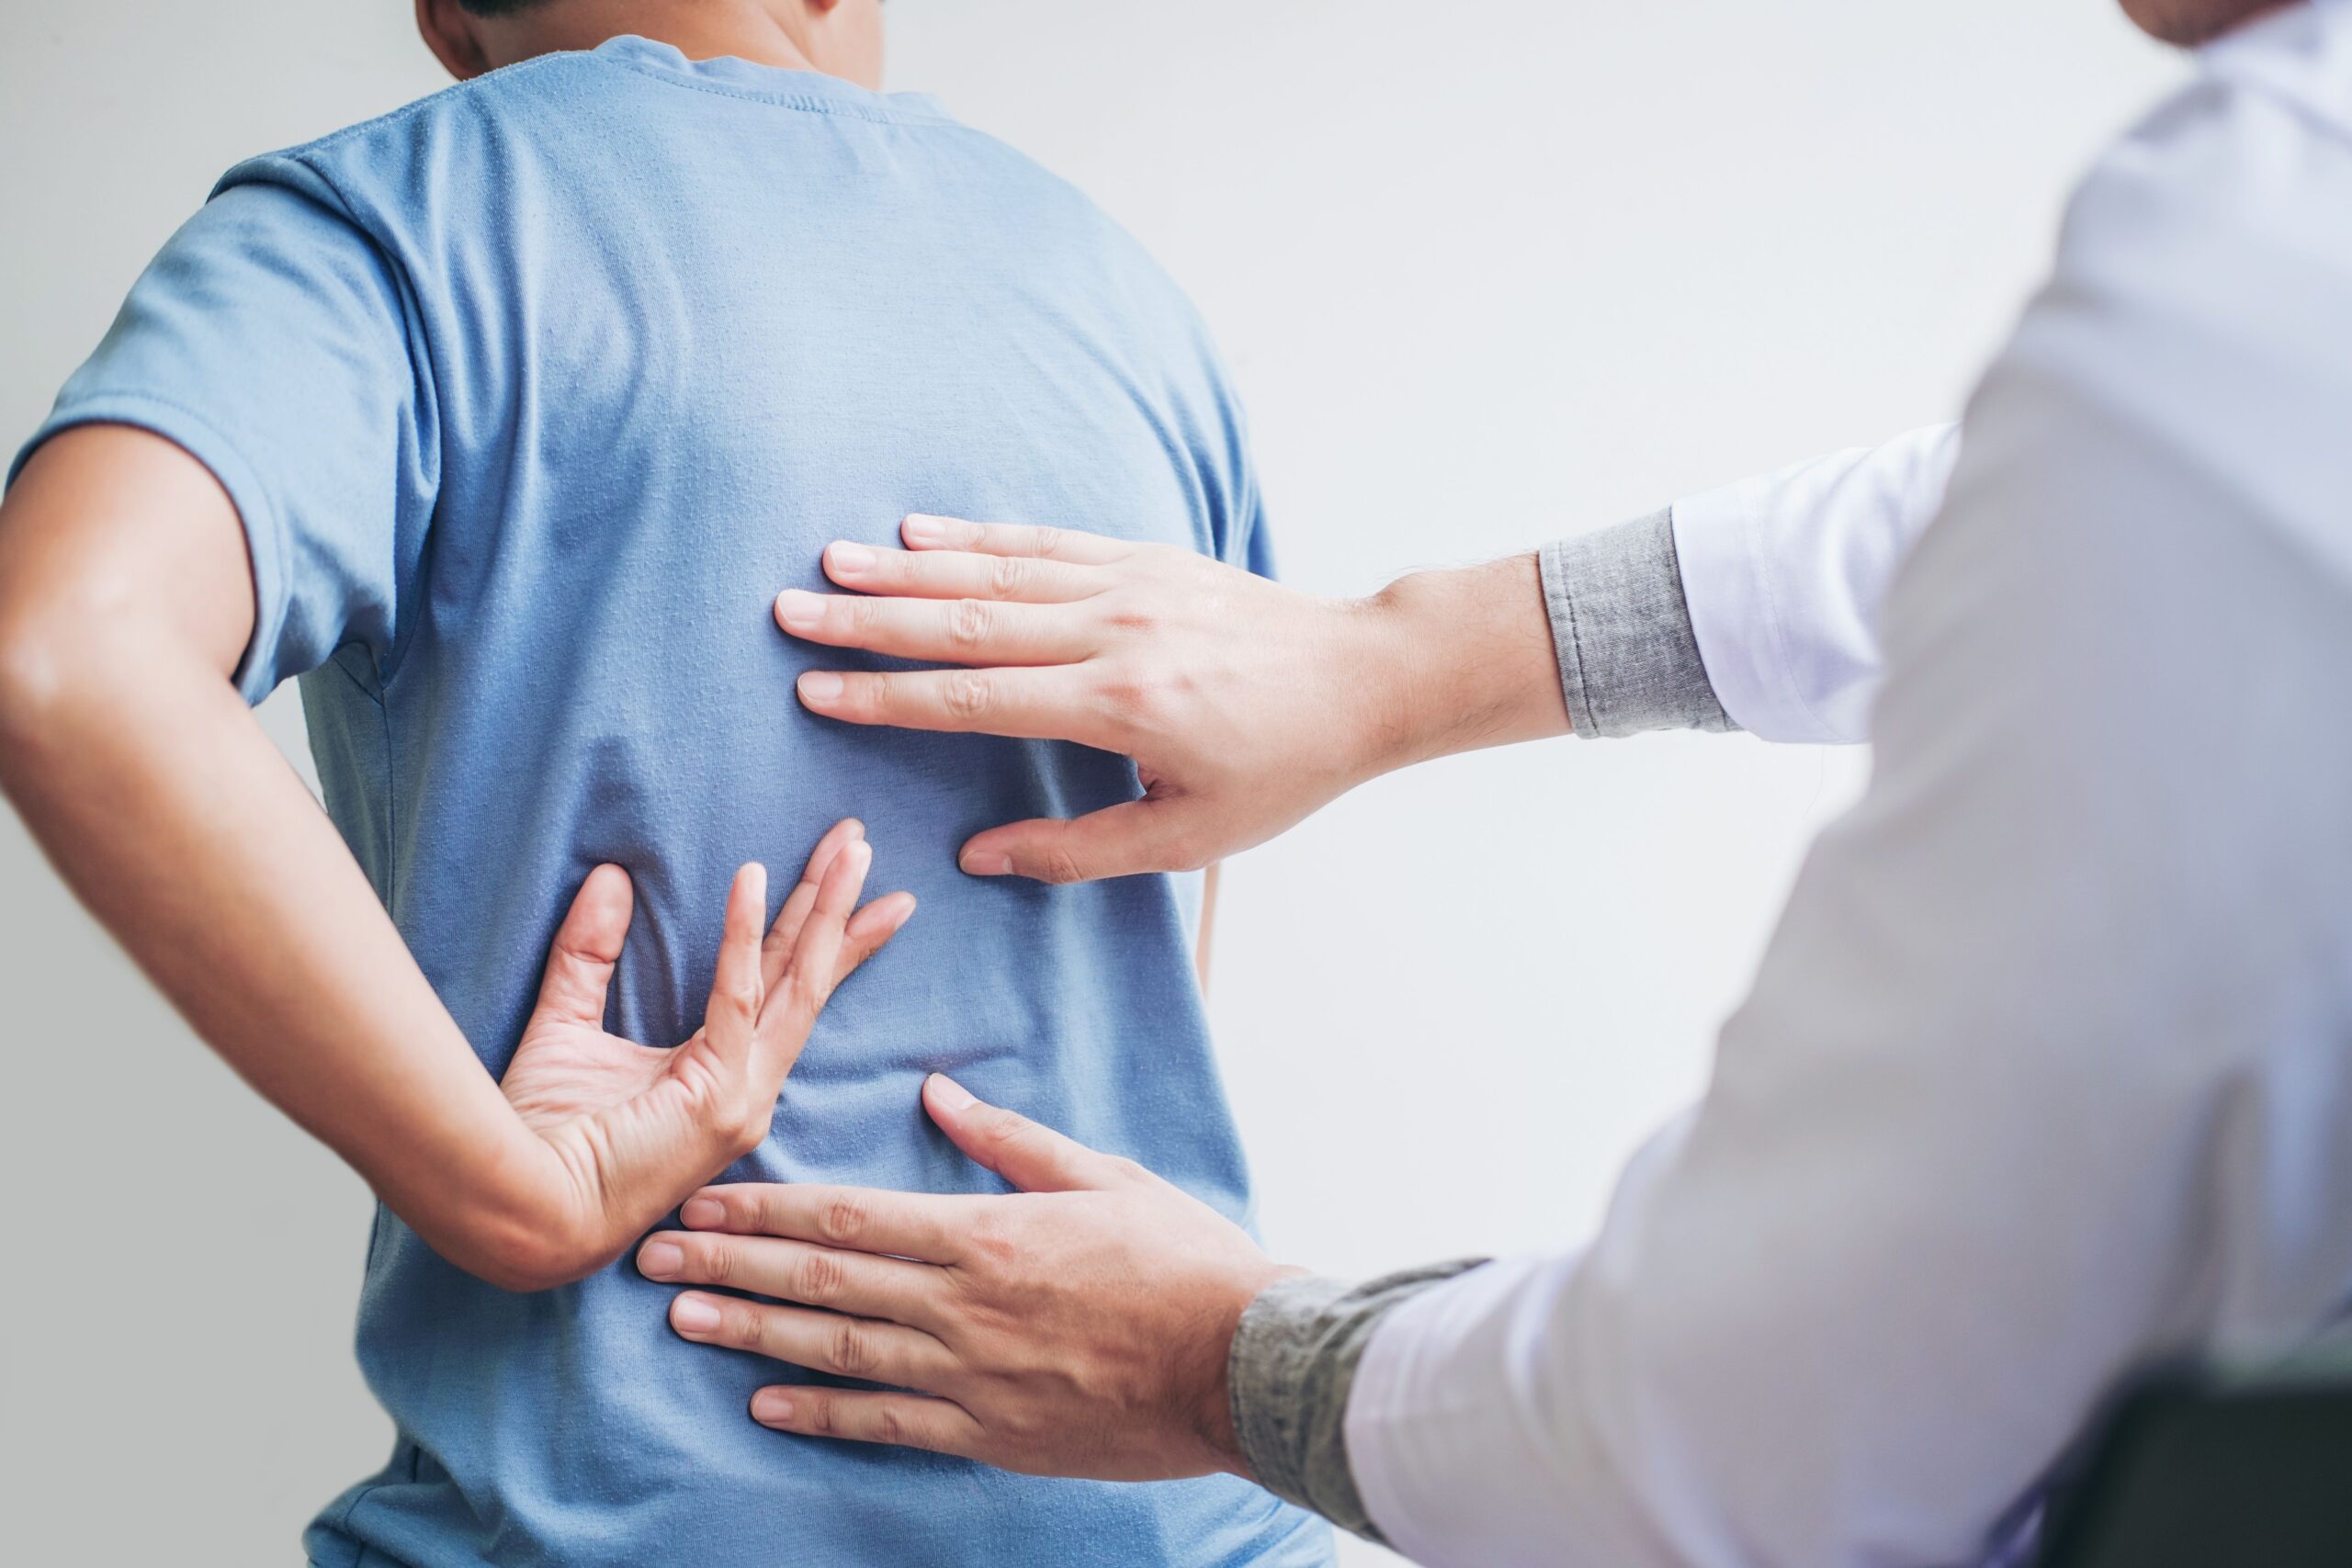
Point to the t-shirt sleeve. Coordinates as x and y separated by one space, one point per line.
1241 535
270 339
1252 545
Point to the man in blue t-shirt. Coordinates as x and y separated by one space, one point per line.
499 421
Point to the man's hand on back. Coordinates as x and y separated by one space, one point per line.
1246 706
631 1124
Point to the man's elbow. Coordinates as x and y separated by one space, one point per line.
38 676
516 1245
525 1274
531 1264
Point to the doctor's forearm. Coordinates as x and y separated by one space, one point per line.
1753 606
1472 668
1622 634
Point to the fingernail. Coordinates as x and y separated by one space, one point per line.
693 1314
799 611
662 1260
952 1095
703 1213
772 1407
820 687
983 864
920 529
850 560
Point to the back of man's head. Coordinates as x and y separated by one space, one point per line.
2189 22
840 37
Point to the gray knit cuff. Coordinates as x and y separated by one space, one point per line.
1291 1366
1629 661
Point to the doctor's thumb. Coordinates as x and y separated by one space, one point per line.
1034 1158
1127 840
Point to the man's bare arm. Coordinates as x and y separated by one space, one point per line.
126 603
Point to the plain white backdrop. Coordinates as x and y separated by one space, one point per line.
1487 275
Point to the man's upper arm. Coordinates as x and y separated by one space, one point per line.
115 539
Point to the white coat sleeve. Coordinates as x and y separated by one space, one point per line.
1784 575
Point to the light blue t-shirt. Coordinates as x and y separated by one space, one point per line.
532 396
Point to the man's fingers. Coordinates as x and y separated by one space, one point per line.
870 930
960 631
959 574
799 1272
814 967
924 531
586 946
816 958
820 1341
1034 1158
1119 840
776 951
907 1420
928 1228
1033 705
735 990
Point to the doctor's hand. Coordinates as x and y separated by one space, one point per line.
635 1129
1079 1328
1245 705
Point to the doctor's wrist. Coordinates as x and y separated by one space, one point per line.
1458 659
1215 1414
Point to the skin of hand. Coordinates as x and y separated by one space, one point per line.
611 1107
567 1067
126 603
1079 1328
1245 705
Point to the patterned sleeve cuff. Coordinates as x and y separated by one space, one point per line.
1293 1363
1629 660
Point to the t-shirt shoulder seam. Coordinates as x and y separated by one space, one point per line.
302 153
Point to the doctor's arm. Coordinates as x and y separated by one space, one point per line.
2039 1056
1248 706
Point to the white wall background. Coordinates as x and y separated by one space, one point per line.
1487 273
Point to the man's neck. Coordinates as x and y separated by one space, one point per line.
699 29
